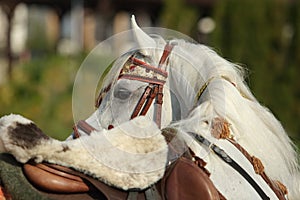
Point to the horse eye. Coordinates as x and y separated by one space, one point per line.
122 93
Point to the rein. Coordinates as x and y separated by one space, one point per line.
228 160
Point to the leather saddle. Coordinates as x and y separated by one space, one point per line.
184 178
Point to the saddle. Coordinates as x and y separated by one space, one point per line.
183 179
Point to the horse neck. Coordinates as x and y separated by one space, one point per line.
227 96
255 128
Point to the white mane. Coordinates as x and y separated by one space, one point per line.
227 96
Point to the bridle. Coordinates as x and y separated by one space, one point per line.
136 69
156 82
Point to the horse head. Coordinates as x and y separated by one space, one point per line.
137 84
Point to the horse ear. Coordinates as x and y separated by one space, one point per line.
145 41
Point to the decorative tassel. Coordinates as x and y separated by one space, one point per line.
257 165
220 128
281 187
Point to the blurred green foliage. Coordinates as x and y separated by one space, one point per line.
177 15
41 90
264 36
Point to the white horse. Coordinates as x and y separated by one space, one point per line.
206 88
213 88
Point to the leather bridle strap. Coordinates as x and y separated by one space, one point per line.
150 99
153 90
280 194
84 126
159 102
142 107
138 107
167 50
228 160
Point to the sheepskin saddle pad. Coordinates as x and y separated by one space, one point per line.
135 160
133 155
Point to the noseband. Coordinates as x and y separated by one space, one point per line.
135 69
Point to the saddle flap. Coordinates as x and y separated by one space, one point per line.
187 181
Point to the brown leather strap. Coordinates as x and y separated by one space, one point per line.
220 130
143 79
149 67
159 102
141 102
101 95
151 91
87 128
76 133
150 99
167 50
84 126
259 170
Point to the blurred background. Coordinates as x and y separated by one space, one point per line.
43 43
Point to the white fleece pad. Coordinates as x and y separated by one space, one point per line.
130 156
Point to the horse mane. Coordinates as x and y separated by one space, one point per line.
228 96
